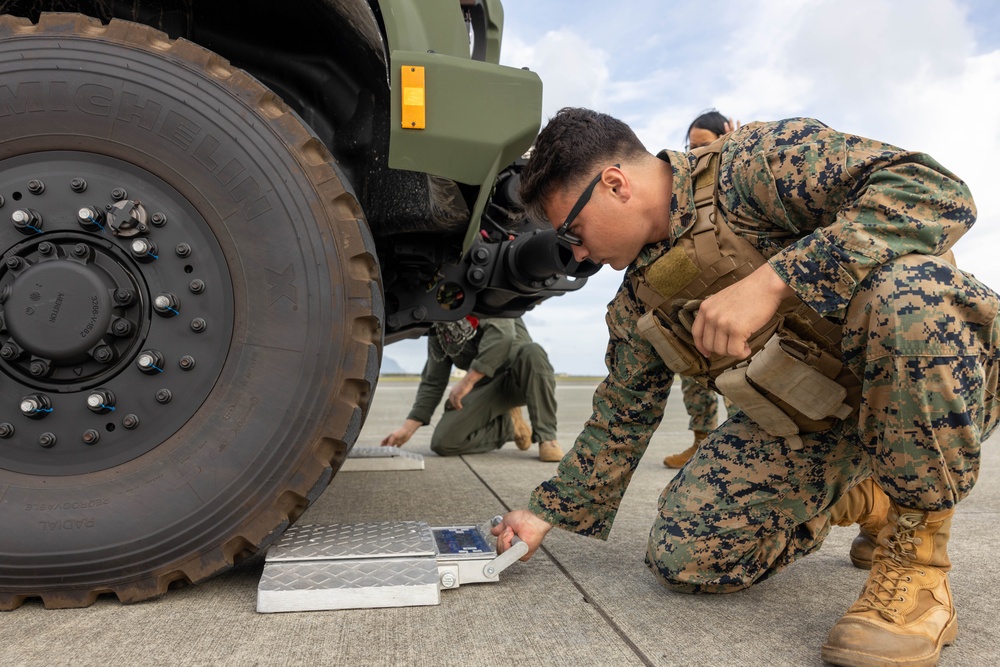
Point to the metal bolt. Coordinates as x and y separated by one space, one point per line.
26 221
90 218
47 439
121 327
130 421
197 286
101 401
45 248
448 580
198 325
163 396
186 362
477 275
419 313
166 305
81 250
104 354
9 352
91 436
36 187
14 263
143 250
39 367
150 361
183 249
6 430
119 194
78 185
481 254
35 406
158 219
124 297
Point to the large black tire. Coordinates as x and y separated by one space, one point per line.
259 361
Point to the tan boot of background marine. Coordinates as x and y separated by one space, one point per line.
678 460
522 429
905 613
550 451
868 506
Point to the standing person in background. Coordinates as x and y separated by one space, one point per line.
701 403
505 369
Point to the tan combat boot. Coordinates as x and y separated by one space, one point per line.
678 460
867 505
550 451
522 429
905 613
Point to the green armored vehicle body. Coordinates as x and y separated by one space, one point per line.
213 215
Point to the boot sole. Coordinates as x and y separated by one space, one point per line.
846 658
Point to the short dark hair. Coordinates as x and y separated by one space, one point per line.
710 120
573 144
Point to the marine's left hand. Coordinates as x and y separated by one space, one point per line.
728 318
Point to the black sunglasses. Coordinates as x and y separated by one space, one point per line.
563 232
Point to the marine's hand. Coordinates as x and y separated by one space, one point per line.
399 437
728 318
462 388
730 126
525 525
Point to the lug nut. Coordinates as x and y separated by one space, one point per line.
119 194
15 263
36 187
124 297
78 185
149 362
36 406
91 436
198 325
143 250
158 219
183 249
163 396
45 248
104 354
130 421
81 250
90 218
101 401
6 430
26 221
39 367
121 327
186 362
166 305
47 439
197 286
10 352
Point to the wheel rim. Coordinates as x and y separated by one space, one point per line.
116 312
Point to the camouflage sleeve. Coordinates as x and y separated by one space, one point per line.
433 382
845 204
494 346
584 495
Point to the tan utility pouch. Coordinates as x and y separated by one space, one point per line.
676 354
733 384
781 370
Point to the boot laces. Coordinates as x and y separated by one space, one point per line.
887 584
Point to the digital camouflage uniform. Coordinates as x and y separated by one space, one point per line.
702 405
517 373
851 225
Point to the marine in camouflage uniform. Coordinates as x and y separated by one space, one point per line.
513 371
853 227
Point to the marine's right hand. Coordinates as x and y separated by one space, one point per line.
525 525
399 437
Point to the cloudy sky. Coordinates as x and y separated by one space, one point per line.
921 74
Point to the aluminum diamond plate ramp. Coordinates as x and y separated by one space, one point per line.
350 566
375 459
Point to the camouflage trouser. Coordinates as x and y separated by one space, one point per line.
925 339
483 424
702 405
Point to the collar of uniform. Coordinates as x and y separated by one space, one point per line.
682 213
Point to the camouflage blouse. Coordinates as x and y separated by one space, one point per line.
824 207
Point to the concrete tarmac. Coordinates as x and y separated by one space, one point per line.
578 602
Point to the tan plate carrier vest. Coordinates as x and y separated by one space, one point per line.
794 381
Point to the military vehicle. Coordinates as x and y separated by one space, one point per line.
213 215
